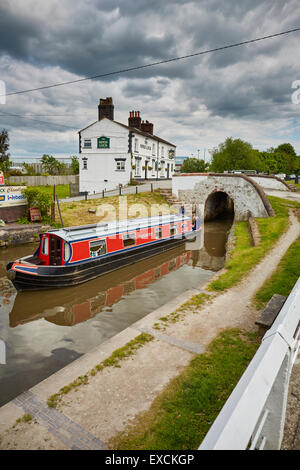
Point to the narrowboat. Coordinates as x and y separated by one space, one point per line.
73 255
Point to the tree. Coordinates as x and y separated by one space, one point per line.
75 165
29 169
235 154
4 145
5 163
287 159
193 165
51 165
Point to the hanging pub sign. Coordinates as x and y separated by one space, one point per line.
1 178
103 143
171 153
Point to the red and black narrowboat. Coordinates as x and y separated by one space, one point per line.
73 255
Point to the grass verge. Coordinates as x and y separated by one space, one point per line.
283 279
129 206
182 414
245 256
113 361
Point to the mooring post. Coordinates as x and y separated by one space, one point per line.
62 223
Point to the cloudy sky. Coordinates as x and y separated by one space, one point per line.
243 92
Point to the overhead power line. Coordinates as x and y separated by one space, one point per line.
36 120
165 61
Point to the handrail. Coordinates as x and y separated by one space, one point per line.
254 414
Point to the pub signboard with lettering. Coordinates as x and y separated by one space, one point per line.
103 143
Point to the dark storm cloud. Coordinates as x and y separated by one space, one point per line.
50 42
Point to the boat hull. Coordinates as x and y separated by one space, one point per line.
52 277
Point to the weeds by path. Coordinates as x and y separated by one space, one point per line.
181 415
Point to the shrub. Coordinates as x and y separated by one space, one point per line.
38 198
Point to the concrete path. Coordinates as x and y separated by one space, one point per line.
92 414
293 196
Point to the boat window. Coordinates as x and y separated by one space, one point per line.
45 245
129 239
158 232
173 230
97 248
66 251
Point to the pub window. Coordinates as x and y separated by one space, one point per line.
97 248
129 239
162 151
84 162
153 149
120 165
87 143
136 145
45 245
158 233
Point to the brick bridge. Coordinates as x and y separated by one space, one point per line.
215 192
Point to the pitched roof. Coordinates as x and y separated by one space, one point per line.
133 129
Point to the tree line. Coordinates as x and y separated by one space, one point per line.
236 154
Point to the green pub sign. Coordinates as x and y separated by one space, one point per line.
171 153
103 143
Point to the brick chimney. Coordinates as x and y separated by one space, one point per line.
147 127
134 119
106 109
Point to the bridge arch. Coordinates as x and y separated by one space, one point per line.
247 197
218 202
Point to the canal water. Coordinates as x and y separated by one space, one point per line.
44 331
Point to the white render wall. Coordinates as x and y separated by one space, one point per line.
101 163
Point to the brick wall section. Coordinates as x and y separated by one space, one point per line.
12 214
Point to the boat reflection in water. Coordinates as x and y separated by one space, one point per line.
71 306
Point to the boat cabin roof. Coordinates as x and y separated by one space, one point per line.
104 229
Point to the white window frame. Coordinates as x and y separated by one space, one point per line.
96 253
120 165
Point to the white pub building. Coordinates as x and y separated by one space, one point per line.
112 153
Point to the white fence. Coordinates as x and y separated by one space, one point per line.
253 417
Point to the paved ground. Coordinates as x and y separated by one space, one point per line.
91 416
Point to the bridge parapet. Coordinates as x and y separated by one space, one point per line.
248 197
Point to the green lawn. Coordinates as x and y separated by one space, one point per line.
182 414
283 279
61 190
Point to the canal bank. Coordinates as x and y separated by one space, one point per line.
90 415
